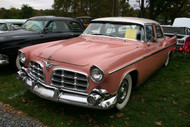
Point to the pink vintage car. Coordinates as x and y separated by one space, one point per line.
99 68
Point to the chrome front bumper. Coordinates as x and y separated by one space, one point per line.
98 98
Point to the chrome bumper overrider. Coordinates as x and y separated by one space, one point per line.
98 98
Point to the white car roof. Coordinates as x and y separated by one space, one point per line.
14 21
182 22
136 20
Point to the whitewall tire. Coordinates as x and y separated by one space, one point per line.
124 92
18 66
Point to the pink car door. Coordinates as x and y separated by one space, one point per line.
153 57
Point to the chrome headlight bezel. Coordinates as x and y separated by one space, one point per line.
22 57
96 74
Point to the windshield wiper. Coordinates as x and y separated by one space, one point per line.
111 35
97 34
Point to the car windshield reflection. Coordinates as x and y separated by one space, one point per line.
34 25
129 31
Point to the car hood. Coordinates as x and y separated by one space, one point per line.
16 33
86 50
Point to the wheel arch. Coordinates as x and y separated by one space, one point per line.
133 79
134 75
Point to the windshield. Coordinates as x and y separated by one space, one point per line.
34 25
124 30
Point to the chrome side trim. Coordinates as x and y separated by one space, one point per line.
141 59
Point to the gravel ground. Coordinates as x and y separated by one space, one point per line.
11 118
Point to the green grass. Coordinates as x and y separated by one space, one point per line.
162 100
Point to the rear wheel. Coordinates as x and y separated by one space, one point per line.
124 92
167 61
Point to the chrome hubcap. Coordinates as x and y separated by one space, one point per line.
122 91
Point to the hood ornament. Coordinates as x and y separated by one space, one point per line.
49 65
50 58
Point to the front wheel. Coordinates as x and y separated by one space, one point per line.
18 65
14 63
124 92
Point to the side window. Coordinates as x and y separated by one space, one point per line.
51 27
159 33
75 26
12 27
58 26
149 33
140 34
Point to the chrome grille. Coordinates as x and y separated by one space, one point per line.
69 79
36 70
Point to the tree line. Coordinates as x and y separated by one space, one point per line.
164 11
25 12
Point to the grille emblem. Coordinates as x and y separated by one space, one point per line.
49 65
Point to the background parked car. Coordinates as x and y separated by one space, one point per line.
182 33
182 22
99 68
10 24
85 20
5 27
37 30
180 28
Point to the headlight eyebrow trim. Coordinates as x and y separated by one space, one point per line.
19 53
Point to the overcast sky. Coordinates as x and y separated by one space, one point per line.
37 4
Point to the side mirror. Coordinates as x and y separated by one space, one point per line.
148 43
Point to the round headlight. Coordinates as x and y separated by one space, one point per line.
22 57
96 74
